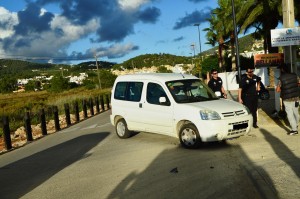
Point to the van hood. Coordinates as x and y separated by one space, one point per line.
220 105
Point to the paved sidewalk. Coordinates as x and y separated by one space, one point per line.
274 154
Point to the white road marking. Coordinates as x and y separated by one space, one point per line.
88 127
106 124
69 130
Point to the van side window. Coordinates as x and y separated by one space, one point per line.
130 91
134 91
154 92
120 91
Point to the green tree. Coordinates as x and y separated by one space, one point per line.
163 69
217 32
33 85
30 86
89 84
263 15
107 78
8 84
59 84
209 63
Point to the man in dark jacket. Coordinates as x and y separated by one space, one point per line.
288 86
216 84
248 92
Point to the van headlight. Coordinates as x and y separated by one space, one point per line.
209 115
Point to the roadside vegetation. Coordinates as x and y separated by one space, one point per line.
46 94
14 105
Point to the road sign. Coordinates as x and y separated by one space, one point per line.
268 60
285 37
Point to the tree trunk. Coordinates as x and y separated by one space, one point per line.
221 44
233 55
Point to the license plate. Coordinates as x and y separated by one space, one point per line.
240 126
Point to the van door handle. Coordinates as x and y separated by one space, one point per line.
140 105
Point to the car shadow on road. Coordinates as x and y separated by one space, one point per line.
268 107
22 176
283 152
216 170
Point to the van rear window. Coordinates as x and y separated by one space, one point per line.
129 91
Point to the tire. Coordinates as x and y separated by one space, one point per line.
122 130
189 136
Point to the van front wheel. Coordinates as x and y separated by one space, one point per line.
189 136
122 130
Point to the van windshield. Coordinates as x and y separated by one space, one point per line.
190 90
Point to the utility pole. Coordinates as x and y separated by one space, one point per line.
236 42
289 22
193 46
192 63
200 52
98 72
197 24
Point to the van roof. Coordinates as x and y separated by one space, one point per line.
163 77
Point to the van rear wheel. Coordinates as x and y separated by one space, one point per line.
122 130
189 136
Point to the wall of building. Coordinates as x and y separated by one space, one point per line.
230 78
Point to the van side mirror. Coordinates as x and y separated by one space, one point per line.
163 101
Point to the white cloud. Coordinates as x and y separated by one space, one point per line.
74 32
7 21
116 50
132 4
52 43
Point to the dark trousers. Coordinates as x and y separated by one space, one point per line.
251 101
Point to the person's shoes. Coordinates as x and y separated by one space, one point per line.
293 133
255 126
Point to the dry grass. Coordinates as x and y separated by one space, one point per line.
16 104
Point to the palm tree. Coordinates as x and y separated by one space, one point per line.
219 31
263 15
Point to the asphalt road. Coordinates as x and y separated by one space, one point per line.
88 160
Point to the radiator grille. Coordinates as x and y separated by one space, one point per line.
233 113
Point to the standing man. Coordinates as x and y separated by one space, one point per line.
248 92
288 86
216 84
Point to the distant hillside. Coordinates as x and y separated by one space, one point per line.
19 68
24 68
246 43
149 60
21 65
92 64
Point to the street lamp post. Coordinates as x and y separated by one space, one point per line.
192 62
200 51
197 24
98 72
193 46
237 54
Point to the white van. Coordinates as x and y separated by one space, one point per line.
177 105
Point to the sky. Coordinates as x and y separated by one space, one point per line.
74 31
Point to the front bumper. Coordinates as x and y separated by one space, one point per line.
217 130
